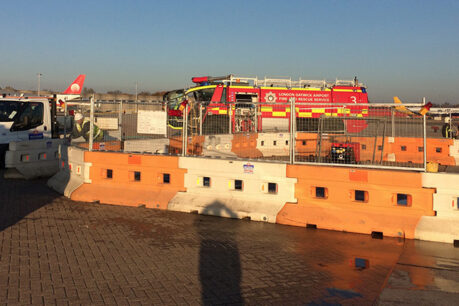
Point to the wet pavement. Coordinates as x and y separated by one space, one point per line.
56 251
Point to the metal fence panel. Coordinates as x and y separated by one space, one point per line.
361 135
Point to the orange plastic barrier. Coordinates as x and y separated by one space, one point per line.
403 149
245 146
132 180
194 145
361 201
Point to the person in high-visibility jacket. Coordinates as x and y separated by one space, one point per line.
81 127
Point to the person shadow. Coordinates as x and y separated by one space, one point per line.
219 260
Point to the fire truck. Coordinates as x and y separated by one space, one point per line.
243 104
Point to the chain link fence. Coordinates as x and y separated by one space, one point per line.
370 135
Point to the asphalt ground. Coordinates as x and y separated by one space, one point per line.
57 251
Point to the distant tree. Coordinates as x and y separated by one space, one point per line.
144 93
9 88
88 91
115 92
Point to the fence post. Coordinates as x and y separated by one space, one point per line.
230 109
424 131
393 121
65 118
91 124
120 120
185 130
292 130
200 118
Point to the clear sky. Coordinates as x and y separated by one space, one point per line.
405 48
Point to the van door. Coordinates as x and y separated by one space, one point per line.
29 124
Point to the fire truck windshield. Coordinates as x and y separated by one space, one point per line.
204 95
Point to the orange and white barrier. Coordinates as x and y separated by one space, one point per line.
379 202
370 201
131 179
444 227
235 189
73 171
32 159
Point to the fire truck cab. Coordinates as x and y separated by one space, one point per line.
242 104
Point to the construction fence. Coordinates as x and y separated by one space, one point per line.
371 135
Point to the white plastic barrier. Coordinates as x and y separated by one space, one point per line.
444 227
147 145
33 158
218 145
454 151
73 171
274 144
235 189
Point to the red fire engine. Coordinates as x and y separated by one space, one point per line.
241 104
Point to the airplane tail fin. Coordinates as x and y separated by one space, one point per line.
76 87
402 108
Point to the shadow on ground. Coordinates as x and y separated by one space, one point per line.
19 198
219 260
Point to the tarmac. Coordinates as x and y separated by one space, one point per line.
57 251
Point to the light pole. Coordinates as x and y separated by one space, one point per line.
38 87
135 91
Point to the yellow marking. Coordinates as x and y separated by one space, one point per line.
266 109
318 110
348 90
174 127
305 115
359 115
279 114
197 182
307 88
334 115
223 112
274 88
243 87
199 88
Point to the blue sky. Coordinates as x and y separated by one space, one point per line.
404 48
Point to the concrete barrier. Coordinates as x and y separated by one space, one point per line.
32 159
73 171
444 227
234 189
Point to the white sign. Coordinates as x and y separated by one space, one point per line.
151 122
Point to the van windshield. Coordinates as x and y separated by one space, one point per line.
9 110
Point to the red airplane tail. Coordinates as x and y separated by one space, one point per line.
76 87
